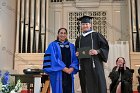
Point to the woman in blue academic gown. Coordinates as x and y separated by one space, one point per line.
60 63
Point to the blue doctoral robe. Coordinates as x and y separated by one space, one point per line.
53 65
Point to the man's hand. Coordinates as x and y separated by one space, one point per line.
93 52
77 54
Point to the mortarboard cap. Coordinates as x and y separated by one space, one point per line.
85 19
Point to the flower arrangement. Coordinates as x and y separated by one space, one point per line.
6 86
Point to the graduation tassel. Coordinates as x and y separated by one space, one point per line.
79 67
92 48
93 62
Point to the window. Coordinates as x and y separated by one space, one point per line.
99 23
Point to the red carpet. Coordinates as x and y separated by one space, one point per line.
135 91
25 91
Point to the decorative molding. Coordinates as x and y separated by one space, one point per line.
28 60
28 56
135 56
135 64
86 4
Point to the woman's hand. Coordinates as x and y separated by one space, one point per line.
68 70
117 67
124 66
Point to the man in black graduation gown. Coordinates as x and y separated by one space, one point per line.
91 74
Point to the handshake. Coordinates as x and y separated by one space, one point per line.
68 70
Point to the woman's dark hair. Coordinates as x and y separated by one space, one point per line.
59 32
118 59
61 29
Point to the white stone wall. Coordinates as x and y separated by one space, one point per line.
7 33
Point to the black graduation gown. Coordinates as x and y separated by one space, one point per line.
92 80
126 80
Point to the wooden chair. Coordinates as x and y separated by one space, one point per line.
45 84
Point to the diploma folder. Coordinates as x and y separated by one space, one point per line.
84 52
